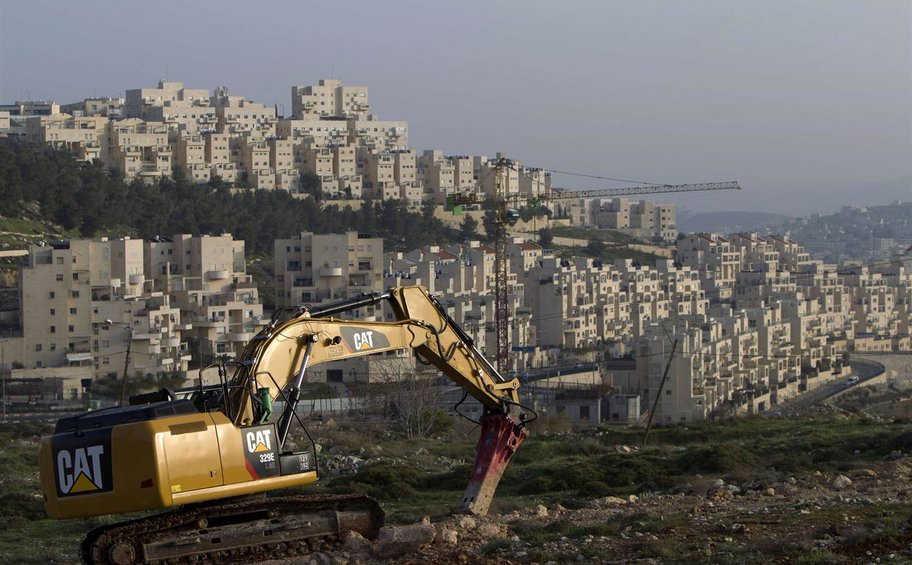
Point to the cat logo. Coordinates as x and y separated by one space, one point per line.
363 340
259 441
80 470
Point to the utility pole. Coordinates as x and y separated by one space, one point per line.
655 403
501 294
3 370
123 385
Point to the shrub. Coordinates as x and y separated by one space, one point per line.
722 458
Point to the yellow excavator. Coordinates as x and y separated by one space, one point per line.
204 451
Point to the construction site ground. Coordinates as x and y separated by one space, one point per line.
826 488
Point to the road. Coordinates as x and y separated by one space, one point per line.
865 370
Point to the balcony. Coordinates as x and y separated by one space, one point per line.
331 271
217 275
240 336
136 279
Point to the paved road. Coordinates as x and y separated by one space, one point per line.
865 370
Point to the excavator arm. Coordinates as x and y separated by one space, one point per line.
281 354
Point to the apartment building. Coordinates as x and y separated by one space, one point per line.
715 258
95 107
138 149
81 135
31 108
85 302
206 278
311 268
329 98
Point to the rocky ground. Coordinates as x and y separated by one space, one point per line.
859 517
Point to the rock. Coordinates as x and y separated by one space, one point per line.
733 489
337 450
841 482
769 492
447 536
330 423
608 501
559 508
492 531
541 511
466 523
338 561
420 451
632 498
402 540
356 545
717 483
866 473
318 448
426 520
318 559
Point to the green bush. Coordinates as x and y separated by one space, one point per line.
721 458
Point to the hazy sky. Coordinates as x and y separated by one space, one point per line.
807 104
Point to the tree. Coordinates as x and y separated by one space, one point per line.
595 247
545 237
407 400
468 229
312 185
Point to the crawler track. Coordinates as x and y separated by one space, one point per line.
238 532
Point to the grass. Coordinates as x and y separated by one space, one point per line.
427 477
608 236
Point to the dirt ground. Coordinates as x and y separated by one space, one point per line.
824 518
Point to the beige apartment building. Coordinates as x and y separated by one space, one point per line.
715 258
143 103
644 219
318 268
104 107
83 136
85 302
329 98
138 149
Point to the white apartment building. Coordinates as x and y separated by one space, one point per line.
311 268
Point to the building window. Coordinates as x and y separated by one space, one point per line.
37 347
584 412
72 310
74 294
71 328
53 329
59 277
53 312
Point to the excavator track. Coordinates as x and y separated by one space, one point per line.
237 532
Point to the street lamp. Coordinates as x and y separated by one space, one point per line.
123 386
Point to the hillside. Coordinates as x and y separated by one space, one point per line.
85 200
728 222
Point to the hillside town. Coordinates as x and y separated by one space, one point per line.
751 320
331 145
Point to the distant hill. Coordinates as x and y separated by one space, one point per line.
729 222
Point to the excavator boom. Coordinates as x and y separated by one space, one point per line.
200 447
